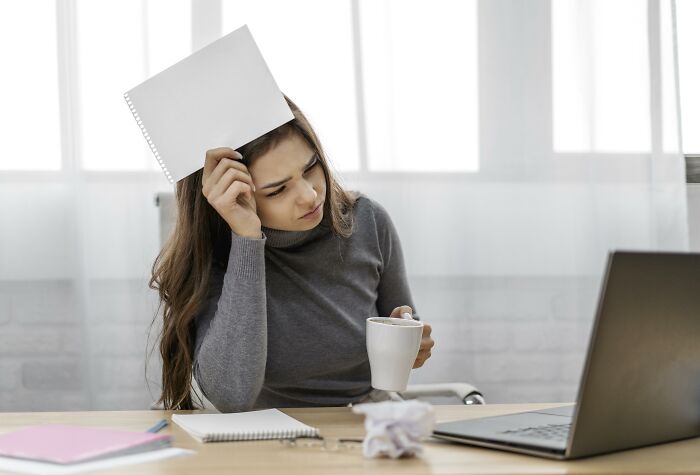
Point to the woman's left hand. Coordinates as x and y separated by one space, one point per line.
426 342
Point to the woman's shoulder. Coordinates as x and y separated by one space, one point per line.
369 210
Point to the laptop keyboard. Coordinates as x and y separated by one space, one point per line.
549 431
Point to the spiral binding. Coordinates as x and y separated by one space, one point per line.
263 435
147 136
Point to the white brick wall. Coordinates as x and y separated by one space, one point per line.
517 339
57 374
44 361
18 341
9 375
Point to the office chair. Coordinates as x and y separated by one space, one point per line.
466 393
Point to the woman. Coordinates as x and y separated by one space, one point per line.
269 276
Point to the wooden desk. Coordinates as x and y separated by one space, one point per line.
271 457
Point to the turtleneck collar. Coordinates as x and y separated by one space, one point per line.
279 239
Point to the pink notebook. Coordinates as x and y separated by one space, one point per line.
70 444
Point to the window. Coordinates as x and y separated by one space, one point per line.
29 116
120 44
600 75
420 84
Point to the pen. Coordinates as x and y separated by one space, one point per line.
160 425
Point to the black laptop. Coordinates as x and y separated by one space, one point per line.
641 381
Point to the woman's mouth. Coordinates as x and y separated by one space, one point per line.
313 214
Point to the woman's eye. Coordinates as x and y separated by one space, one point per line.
311 166
275 193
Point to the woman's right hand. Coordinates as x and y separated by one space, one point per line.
228 187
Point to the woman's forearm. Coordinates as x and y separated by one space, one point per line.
232 331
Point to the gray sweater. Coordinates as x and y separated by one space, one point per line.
284 324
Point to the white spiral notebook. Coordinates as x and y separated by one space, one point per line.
254 425
222 95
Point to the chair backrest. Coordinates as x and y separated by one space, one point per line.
167 213
198 395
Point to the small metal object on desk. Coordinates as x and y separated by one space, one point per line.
330 444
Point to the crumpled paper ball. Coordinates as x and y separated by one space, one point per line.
395 428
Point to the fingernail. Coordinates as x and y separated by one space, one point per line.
406 316
240 157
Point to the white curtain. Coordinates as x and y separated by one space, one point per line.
512 155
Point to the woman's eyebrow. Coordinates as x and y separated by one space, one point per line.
281 182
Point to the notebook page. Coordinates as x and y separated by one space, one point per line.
223 95
45 468
264 424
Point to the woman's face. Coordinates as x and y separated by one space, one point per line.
289 182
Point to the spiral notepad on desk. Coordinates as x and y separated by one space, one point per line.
222 95
254 425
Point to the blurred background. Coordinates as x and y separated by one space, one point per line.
515 143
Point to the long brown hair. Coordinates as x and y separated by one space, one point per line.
202 239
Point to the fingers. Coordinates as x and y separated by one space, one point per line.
233 191
426 346
229 176
213 156
216 163
421 358
220 171
399 311
226 164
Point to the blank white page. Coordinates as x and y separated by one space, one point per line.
223 95
253 425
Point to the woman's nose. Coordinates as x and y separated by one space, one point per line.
308 194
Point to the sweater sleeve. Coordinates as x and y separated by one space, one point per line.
231 329
393 290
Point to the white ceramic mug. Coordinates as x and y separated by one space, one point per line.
392 347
